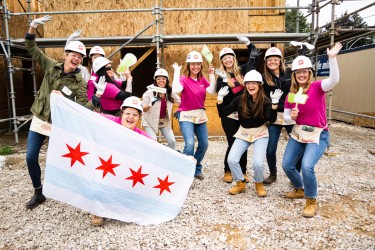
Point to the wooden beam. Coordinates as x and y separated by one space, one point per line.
143 57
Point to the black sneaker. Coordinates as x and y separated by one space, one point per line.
270 179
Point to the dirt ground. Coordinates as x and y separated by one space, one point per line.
211 218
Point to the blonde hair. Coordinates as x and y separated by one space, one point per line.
294 86
267 74
236 72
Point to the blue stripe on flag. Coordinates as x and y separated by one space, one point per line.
107 194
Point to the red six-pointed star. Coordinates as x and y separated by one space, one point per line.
164 185
75 154
107 166
137 176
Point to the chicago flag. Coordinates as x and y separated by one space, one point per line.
108 170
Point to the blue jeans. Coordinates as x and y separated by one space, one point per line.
34 144
188 129
310 153
238 148
274 131
166 131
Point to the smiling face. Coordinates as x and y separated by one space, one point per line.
273 64
228 61
195 68
130 118
71 61
94 56
302 76
161 81
252 88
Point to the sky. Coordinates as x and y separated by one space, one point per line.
368 15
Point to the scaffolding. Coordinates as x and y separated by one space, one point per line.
14 48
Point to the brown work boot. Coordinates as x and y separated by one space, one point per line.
310 208
296 194
96 220
247 179
199 176
261 192
270 179
240 187
228 177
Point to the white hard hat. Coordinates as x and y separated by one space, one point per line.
76 46
161 72
194 56
273 51
96 50
301 62
132 102
99 63
226 51
253 76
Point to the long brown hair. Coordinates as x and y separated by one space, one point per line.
294 86
257 109
187 72
236 72
267 73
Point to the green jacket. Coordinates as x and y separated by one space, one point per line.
55 79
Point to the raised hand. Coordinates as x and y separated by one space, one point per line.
276 95
222 93
100 86
332 53
244 39
176 67
41 21
254 53
222 75
74 35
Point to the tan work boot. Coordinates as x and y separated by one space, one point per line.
247 179
310 208
228 177
240 187
296 194
96 220
261 192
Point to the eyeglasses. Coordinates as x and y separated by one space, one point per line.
108 68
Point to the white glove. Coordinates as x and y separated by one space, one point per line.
296 44
308 45
176 85
122 77
222 93
275 96
222 75
74 35
100 86
41 20
244 39
153 100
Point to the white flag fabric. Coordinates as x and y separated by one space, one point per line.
108 170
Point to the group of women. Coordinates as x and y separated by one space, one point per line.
253 109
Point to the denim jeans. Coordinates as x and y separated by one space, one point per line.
274 131
238 148
34 144
188 129
230 127
167 132
310 153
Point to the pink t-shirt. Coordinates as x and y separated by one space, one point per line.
313 112
194 93
118 120
163 108
107 100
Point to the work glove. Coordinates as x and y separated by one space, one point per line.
122 77
100 86
244 39
73 37
222 93
154 99
41 20
275 96
254 53
222 75
308 45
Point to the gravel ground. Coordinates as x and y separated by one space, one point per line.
210 217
